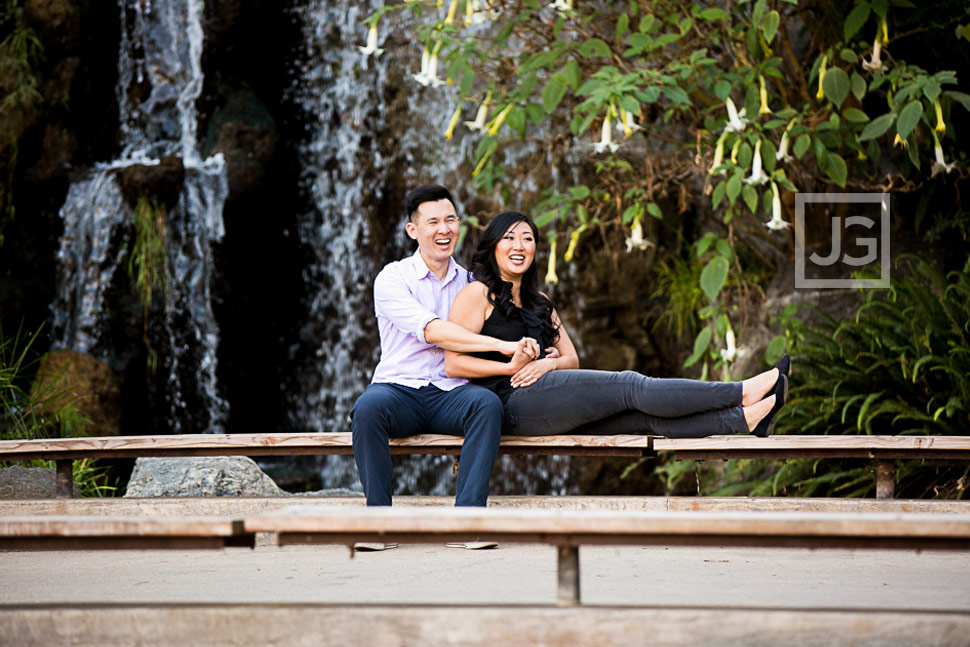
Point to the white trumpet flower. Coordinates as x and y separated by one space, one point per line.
782 154
731 350
429 68
882 38
626 123
939 164
606 137
371 47
479 123
776 223
718 155
636 239
562 6
736 121
551 277
757 175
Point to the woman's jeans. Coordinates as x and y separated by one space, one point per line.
607 402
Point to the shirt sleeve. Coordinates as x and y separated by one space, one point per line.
394 301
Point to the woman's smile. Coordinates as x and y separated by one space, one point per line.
516 251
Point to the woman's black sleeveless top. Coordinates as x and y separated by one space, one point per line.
522 324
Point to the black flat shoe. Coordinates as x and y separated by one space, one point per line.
767 424
784 365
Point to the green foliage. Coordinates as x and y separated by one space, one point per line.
38 409
20 57
147 265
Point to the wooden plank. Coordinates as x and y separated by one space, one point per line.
568 527
344 625
100 532
293 444
873 447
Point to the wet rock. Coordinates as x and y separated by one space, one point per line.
71 377
244 131
203 476
58 149
29 483
163 180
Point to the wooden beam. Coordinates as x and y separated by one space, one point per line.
340 625
809 446
103 532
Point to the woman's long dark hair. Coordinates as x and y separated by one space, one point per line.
485 269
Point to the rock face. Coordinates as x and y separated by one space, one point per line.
67 375
29 483
215 476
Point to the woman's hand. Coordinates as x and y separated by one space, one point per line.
526 345
528 374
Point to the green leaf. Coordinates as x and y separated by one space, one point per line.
516 121
908 118
554 91
713 276
835 83
848 55
654 210
622 25
630 213
701 342
770 25
750 197
960 97
724 248
579 192
535 113
718 194
801 145
877 127
541 59
931 91
776 347
722 89
855 20
713 14
733 188
649 95
676 94
858 85
572 74
594 47
835 168
855 115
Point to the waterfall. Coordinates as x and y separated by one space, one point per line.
159 80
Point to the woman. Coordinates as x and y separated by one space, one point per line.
550 395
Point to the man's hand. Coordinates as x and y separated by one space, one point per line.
527 345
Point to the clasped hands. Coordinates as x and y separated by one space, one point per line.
526 364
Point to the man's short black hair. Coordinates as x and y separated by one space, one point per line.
426 193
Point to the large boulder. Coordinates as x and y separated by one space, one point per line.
71 377
29 483
203 476
244 131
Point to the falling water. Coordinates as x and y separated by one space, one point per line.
159 79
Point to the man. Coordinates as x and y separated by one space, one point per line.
410 393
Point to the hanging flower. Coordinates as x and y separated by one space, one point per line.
900 142
454 122
718 154
626 122
782 154
500 119
636 239
939 164
573 241
429 67
371 47
776 223
882 38
562 6
422 76
730 351
763 95
734 151
940 126
479 123
606 137
757 175
736 121
551 278
821 73
450 18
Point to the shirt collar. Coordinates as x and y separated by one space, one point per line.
421 269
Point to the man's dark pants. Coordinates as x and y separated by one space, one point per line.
393 411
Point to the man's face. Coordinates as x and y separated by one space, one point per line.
436 230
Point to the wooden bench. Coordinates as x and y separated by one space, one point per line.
64 451
881 449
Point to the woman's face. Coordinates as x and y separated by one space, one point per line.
515 251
